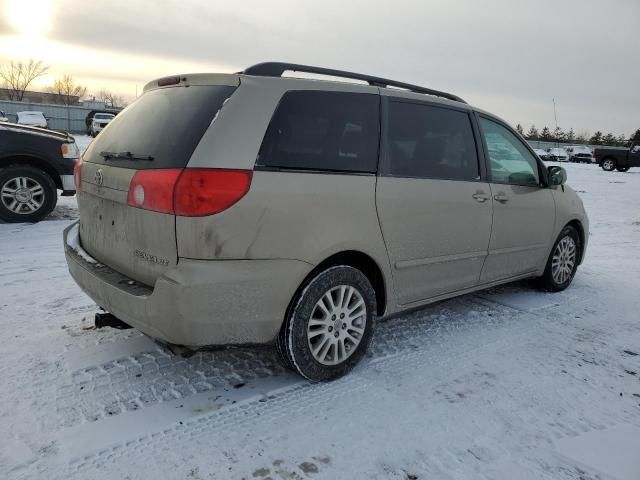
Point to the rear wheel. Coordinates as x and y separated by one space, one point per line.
27 194
563 261
330 325
608 164
622 169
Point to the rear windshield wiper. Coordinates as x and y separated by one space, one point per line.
124 156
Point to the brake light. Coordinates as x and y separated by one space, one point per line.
189 192
163 82
206 191
153 189
77 174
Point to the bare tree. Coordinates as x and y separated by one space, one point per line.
18 76
110 99
67 90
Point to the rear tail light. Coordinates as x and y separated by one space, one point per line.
204 191
153 189
77 174
189 192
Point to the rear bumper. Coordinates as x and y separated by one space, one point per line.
198 303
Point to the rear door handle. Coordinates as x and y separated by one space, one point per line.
501 197
480 197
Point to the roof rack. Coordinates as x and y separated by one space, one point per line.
276 69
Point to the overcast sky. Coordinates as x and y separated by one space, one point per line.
510 57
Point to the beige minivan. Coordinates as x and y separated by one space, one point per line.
250 208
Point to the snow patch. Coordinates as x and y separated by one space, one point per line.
73 242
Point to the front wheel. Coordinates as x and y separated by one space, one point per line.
622 169
563 261
330 324
27 194
608 164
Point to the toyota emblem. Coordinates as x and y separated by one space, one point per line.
98 177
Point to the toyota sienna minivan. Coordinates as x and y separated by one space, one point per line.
253 208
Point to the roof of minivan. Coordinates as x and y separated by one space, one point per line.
235 79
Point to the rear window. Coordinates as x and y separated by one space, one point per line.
332 131
165 124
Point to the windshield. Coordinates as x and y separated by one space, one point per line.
165 124
103 116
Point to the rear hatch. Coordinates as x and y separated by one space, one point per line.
156 134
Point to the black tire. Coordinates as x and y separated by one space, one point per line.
608 164
46 201
622 169
547 280
293 343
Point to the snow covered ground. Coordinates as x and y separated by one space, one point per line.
481 387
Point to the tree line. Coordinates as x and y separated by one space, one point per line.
17 76
560 136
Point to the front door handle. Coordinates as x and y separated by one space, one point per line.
480 196
501 197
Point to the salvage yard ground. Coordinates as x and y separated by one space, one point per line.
483 386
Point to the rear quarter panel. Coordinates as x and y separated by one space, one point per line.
290 215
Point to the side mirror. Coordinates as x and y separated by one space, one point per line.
557 176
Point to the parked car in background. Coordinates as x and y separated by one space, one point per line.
580 154
557 155
541 153
35 119
255 208
34 163
89 120
99 121
3 117
620 159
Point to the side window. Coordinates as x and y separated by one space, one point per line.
511 162
431 142
315 130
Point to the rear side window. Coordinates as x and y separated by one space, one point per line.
165 124
333 131
431 142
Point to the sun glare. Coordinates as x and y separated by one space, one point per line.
29 17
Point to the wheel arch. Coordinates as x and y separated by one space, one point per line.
33 161
577 224
360 261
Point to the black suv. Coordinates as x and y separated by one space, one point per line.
34 163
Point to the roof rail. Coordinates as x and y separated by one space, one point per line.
276 69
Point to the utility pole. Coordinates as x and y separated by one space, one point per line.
555 117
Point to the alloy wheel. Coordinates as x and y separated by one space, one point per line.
337 325
564 260
22 195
